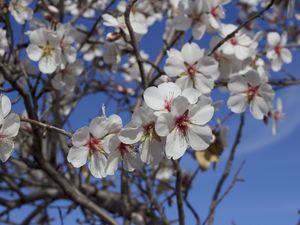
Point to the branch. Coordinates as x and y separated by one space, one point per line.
133 42
179 198
47 126
244 24
225 174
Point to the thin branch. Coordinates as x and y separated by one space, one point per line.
133 42
179 197
241 26
47 126
225 174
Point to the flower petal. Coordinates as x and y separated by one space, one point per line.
77 156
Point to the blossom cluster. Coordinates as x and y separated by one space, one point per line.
177 108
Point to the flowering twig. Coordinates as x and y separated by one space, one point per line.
244 24
133 42
47 126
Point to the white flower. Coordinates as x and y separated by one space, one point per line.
276 115
66 35
3 41
238 46
251 89
138 23
20 11
160 98
66 78
185 125
91 51
276 50
215 12
193 68
10 125
141 130
92 142
192 15
44 47
121 151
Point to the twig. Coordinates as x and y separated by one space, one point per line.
179 197
133 42
47 126
244 24
225 174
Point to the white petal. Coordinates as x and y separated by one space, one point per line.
237 103
47 64
276 64
154 98
110 21
238 84
182 23
203 84
191 53
259 108
131 135
286 55
99 127
6 148
199 30
185 82
176 145
112 162
164 124
199 137
114 123
191 94
11 125
174 66
273 38
77 156
81 137
201 114
5 105
152 152
34 52
98 165
242 52
180 106
228 49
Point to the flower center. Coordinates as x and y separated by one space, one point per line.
149 128
47 50
278 50
125 149
233 41
215 12
181 123
252 92
191 69
94 144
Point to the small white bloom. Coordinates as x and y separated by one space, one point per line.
138 23
192 14
20 11
185 125
141 130
92 142
215 12
10 125
66 78
238 46
194 69
160 98
3 42
276 50
276 115
122 151
44 47
251 89
66 34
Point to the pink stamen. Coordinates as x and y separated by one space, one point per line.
233 41
124 148
191 69
278 50
252 92
215 12
149 128
94 144
181 123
